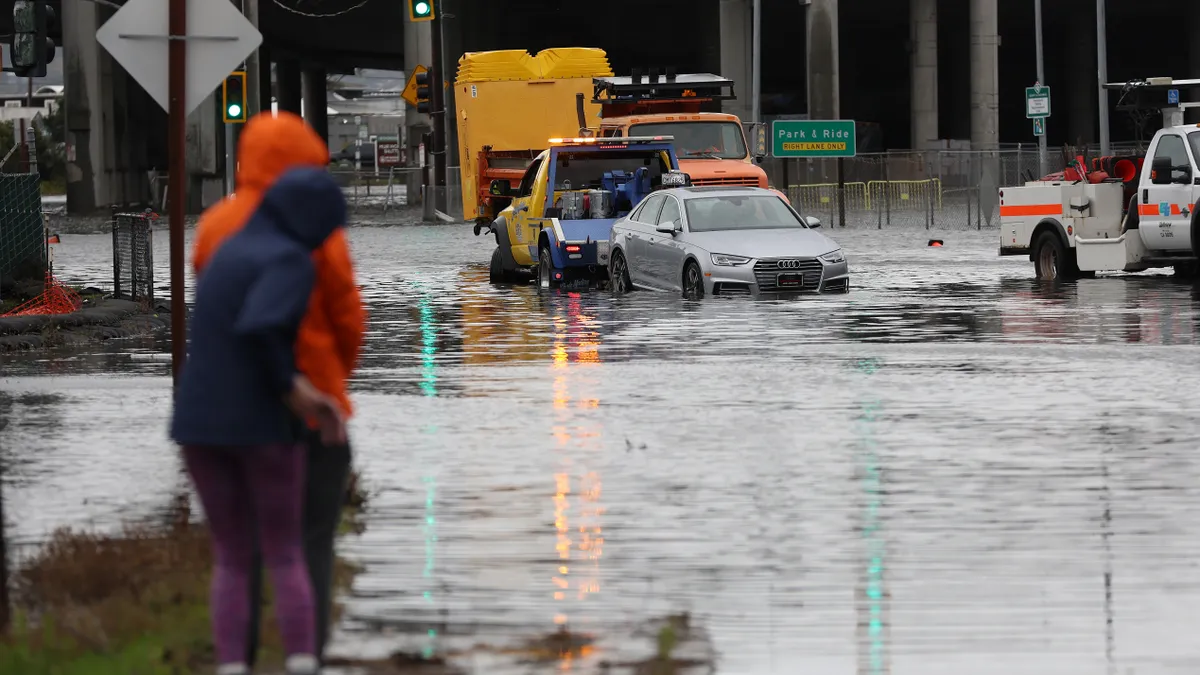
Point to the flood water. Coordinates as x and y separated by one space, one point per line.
951 469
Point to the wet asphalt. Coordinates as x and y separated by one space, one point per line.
951 469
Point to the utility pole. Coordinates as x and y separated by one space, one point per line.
437 114
253 74
756 65
177 175
1102 75
1041 78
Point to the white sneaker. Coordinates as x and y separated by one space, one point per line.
301 664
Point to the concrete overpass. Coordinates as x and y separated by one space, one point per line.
923 70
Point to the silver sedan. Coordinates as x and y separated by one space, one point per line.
723 241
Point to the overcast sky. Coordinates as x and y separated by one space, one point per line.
11 84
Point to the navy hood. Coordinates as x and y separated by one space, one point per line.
306 204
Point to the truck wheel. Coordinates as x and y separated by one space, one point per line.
1187 270
496 272
618 273
1051 260
545 268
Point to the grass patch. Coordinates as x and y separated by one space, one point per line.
132 603
54 186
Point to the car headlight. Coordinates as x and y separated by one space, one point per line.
834 257
729 260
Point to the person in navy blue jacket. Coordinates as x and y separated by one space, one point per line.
240 408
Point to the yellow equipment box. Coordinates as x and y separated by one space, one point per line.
513 103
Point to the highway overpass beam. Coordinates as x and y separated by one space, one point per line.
316 101
736 44
923 30
985 75
288 91
824 94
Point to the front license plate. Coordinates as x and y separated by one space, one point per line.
790 280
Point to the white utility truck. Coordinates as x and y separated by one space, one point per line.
1077 223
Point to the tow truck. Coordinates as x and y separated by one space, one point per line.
509 102
560 216
1128 214
711 146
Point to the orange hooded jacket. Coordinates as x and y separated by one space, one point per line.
331 334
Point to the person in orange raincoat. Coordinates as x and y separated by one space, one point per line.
328 344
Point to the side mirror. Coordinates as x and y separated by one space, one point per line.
500 188
1160 171
812 221
668 228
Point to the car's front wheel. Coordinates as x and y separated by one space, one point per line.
618 273
693 281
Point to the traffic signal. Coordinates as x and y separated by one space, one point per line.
32 47
423 93
420 10
233 95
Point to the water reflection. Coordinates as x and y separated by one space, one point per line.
579 545
1021 468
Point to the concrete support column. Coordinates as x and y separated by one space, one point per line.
923 30
736 35
985 75
85 94
1080 104
824 74
288 91
418 50
316 101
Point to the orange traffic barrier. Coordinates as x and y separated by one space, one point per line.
57 299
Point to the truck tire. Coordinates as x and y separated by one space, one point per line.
496 272
545 268
1052 261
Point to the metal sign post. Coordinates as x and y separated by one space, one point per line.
151 41
1039 125
1102 73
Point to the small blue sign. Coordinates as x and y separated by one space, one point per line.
1039 126
1173 96
1164 209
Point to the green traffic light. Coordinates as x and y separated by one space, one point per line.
421 7
235 110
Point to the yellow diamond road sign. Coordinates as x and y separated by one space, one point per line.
410 89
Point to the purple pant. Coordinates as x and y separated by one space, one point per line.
242 488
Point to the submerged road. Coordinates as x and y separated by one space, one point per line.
952 469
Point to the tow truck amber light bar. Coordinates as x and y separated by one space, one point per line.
612 140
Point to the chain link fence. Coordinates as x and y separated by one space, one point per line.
23 252
133 257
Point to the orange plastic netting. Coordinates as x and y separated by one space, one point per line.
57 299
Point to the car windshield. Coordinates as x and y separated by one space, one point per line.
751 212
1194 140
699 140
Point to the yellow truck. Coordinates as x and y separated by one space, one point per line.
509 104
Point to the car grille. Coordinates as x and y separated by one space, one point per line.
766 274
732 180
